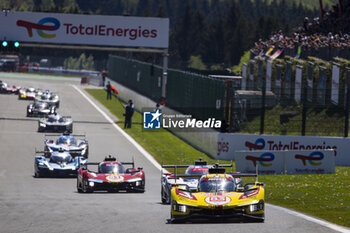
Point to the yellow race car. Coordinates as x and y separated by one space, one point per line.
219 195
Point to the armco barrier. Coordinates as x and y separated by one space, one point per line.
205 142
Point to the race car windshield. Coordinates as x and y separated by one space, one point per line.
214 184
61 158
66 140
202 170
53 119
111 168
40 105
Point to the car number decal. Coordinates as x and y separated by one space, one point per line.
217 200
115 178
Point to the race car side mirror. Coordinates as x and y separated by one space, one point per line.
240 188
129 170
140 168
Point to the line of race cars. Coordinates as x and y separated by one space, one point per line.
67 154
202 192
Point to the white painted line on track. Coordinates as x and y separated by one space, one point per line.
127 136
159 167
312 219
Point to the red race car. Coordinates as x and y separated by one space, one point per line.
111 176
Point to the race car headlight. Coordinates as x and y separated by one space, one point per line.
50 168
253 208
41 164
137 181
179 208
257 207
91 184
42 125
73 168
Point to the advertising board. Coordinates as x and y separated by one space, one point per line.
124 31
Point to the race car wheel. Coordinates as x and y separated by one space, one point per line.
86 155
70 129
85 186
40 129
78 187
46 152
164 200
37 174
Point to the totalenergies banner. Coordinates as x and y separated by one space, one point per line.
102 30
229 143
286 162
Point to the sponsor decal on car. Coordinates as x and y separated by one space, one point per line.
115 178
217 200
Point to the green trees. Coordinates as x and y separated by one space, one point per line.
216 31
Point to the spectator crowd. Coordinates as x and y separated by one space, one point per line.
330 32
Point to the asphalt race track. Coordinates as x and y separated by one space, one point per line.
46 205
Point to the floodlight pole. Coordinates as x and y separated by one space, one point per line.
165 72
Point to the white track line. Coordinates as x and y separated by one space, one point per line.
158 166
127 136
312 219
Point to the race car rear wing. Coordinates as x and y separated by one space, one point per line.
216 166
109 159
64 134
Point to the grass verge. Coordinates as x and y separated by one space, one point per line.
323 196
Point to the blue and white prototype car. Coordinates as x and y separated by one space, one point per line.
40 109
76 145
55 123
59 163
48 97
169 179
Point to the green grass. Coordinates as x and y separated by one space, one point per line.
325 122
163 145
324 196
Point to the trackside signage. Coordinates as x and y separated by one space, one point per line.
286 162
268 162
85 29
228 144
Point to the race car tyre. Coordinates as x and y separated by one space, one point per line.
37 174
86 155
46 152
162 194
40 129
70 129
85 186
58 104
79 188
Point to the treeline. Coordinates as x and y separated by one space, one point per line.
215 32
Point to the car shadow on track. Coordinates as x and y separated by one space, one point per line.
212 221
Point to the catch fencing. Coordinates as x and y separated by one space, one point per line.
200 96
311 97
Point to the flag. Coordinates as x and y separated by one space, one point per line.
114 90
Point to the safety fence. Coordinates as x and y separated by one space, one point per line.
189 93
310 97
